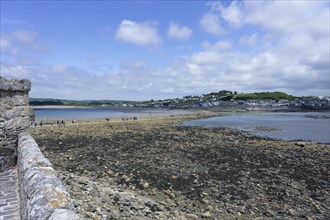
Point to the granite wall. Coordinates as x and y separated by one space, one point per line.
14 118
42 195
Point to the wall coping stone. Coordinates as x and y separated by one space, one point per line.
23 85
42 194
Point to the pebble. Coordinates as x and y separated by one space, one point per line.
206 214
300 143
191 217
228 174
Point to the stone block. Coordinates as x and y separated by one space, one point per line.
16 112
23 85
16 125
20 99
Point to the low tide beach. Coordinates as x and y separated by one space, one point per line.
49 113
153 168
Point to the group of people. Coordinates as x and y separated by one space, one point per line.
35 124
126 118
62 122
58 122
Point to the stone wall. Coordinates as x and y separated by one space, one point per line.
14 118
43 196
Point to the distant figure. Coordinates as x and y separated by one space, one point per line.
41 123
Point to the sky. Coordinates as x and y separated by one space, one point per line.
142 50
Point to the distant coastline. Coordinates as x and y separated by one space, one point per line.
223 100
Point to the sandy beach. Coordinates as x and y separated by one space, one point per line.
111 113
152 168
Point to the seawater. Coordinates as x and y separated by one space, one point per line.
308 126
75 113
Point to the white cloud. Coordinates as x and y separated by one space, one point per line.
219 45
22 44
24 36
145 34
5 44
178 32
211 23
288 51
232 13
286 17
249 40
289 46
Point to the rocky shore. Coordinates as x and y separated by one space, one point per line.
155 169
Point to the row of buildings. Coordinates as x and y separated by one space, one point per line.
202 102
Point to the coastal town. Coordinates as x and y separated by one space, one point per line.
226 99
221 99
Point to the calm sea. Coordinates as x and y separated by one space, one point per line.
309 126
76 113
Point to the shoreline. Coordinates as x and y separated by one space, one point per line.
128 114
154 169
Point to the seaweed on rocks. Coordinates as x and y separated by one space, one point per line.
154 169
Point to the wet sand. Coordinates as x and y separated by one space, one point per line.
119 113
151 168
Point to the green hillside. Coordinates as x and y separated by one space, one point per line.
263 95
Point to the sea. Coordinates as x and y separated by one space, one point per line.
76 113
306 126
97 113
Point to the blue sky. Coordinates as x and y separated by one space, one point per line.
140 50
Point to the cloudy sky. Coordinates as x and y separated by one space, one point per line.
140 50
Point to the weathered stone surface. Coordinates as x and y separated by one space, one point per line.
15 85
42 193
15 112
9 196
192 217
14 118
63 214
16 125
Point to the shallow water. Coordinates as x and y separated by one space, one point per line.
308 126
96 113
75 113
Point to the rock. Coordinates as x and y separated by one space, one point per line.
206 214
209 207
63 214
145 185
191 217
206 201
300 143
292 211
270 213
231 211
